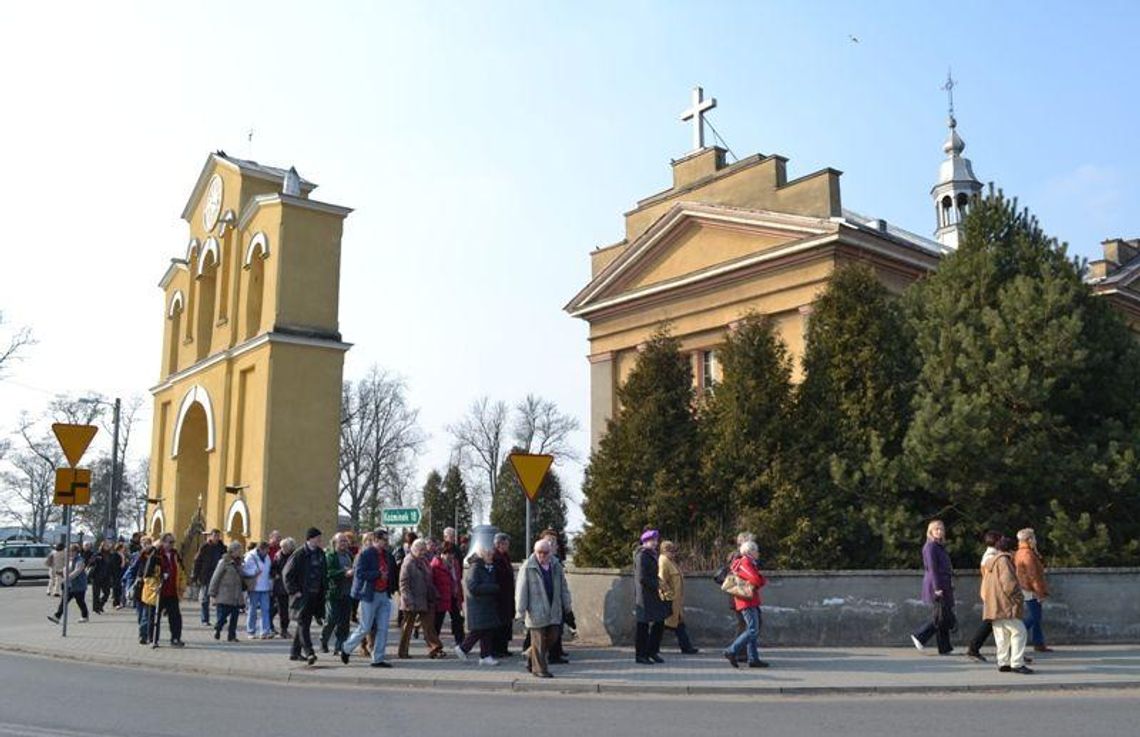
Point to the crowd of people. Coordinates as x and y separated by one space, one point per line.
348 590
1012 589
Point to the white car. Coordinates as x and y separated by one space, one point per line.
20 559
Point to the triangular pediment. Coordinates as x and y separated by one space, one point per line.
219 162
691 240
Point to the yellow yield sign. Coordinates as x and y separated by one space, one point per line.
72 486
531 470
74 440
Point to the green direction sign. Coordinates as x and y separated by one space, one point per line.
400 517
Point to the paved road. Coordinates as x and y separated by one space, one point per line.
105 701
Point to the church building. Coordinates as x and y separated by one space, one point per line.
729 238
247 408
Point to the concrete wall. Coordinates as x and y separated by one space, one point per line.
859 608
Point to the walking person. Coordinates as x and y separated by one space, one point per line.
338 563
56 562
419 601
746 600
257 570
986 628
672 585
133 580
650 610
1003 604
443 577
937 590
541 597
505 598
482 606
1031 575
205 563
305 579
373 581
76 586
98 572
556 654
165 570
280 601
225 589
116 563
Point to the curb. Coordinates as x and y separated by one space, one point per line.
556 686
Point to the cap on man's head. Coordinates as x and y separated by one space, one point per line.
380 532
311 533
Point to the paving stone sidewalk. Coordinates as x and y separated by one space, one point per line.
112 639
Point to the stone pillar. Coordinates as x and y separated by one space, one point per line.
603 389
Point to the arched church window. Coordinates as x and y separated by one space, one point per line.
947 211
963 203
207 284
174 332
255 257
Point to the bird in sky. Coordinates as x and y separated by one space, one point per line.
854 39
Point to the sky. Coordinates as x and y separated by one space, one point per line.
487 147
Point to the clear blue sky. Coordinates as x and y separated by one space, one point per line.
487 147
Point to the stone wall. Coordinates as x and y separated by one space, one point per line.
859 608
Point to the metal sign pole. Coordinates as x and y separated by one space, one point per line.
528 540
66 565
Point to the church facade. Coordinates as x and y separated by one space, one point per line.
247 408
728 239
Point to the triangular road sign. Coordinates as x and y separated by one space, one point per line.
531 470
74 439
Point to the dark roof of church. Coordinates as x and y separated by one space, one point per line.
265 169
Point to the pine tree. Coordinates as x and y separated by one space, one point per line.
1028 391
744 425
456 506
843 501
646 469
508 509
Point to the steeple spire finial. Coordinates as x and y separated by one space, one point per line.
956 184
949 88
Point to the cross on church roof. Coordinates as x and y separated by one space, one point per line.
697 114
949 87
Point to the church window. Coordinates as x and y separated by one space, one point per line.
207 283
947 211
710 370
255 257
963 203
174 336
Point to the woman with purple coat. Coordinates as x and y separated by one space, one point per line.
937 590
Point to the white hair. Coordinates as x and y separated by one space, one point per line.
1026 534
289 544
542 543
419 545
749 548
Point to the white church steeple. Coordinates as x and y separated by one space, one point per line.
956 182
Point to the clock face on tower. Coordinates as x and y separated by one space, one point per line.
213 206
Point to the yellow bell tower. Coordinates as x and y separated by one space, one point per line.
247 410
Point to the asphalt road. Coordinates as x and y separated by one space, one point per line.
48 698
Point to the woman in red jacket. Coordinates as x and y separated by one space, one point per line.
444 580
746 571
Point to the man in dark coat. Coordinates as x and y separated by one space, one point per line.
505 599
651 611
205 563
305 581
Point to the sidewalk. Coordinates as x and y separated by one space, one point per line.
112 639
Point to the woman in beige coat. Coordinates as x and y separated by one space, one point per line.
1003 604
672 585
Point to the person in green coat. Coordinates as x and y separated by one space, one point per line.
338 605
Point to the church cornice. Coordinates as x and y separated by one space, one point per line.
176 265
289 338
245 168
256 203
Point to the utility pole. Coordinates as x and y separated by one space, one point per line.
111 529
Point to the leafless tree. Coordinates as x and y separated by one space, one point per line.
480 440
380 438
10 349
27 491
540 427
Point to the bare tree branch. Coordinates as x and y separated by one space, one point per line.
479 440
20 339
540 427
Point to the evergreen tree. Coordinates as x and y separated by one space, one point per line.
646 469
432 507
456 506
744 425
508 508
1028 392
843 502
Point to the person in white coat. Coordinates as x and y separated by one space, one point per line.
541 597
256 571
